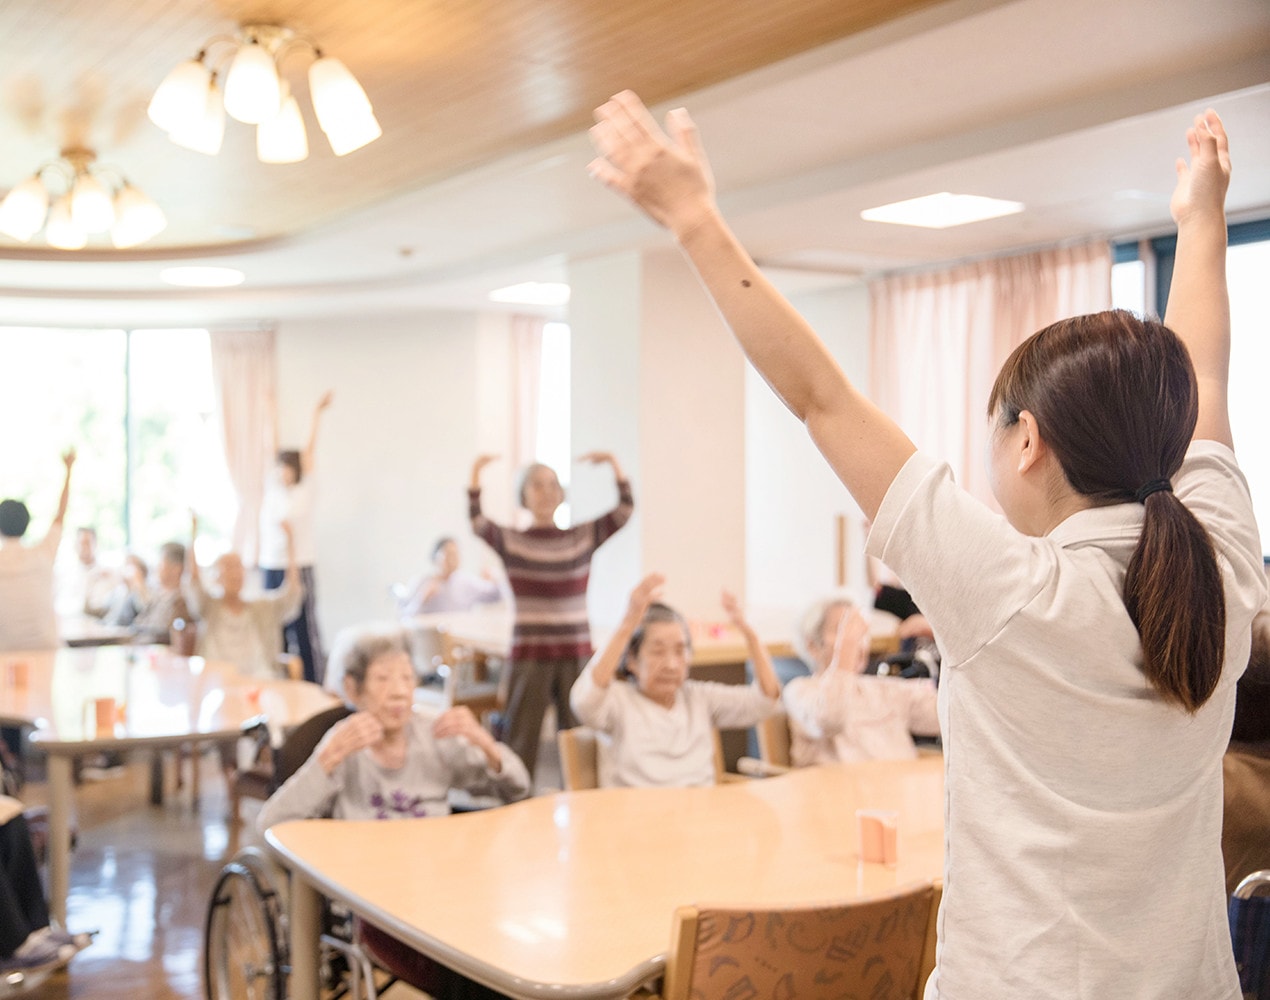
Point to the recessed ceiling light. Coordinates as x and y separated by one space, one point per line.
533 293
202 277
939 211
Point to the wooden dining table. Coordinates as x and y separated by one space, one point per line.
89 700
571 895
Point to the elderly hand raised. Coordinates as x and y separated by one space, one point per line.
357 732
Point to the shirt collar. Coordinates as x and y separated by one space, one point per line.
1117 522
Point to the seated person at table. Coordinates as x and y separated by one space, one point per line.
27 618
840 713
166 602
85 586
27 943
246 633
389 760
660 725
449 588
131 595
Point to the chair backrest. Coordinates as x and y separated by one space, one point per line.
579 758
873 947
773 740
302 741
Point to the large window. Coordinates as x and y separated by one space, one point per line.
1247 265
138 408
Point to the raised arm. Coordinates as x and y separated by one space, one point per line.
310 448
604 458
764 672
669 179
68 460
1199 307
603 666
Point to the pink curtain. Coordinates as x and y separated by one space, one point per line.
526 334
244 377
938 340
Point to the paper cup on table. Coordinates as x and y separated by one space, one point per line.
106 713
877 835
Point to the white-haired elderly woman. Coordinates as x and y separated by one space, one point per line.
840 713
389 759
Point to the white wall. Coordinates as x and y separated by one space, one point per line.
792 497
415 400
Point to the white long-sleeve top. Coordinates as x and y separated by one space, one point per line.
360 788
650 745
837 715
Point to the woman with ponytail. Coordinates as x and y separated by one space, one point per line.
1091 638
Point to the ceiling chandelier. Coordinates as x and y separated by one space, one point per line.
191 102
73 197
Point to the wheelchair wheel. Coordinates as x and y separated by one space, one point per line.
244 940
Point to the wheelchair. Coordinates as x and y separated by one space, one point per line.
245 935
246 939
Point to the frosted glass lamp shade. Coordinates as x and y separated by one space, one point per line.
91 207
137 218
253 92
341 106
282 138
23 210
203 132
180 96
61 231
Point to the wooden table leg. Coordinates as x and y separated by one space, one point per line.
156 778
60 791
306 930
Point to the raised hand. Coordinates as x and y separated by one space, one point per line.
1201 184
645 593
327 399
732 608
461 723
478 465
665 175
851 647
68 458
356 732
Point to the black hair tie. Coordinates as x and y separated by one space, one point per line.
1154 486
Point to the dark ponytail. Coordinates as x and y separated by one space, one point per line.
1115 398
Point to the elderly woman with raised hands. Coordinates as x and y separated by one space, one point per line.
840 713
660 725
390 760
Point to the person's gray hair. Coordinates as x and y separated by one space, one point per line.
812 624
356 648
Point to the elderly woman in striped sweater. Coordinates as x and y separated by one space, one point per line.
548 568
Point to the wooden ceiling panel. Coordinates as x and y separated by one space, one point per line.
454 84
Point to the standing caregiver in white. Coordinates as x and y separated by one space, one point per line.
1091 638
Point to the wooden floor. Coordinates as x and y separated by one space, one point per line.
141 876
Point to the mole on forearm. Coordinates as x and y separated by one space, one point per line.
745 282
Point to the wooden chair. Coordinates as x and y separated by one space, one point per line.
882 948
579 759
773 749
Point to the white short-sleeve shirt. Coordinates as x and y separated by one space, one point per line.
1083 813
293 504
27 618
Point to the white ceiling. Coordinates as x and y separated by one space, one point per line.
1074 107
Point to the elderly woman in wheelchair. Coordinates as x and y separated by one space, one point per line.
383 760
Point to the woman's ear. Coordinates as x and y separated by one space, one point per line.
1031 447
352 690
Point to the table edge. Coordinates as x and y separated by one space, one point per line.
617 988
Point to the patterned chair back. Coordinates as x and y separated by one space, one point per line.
873 948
